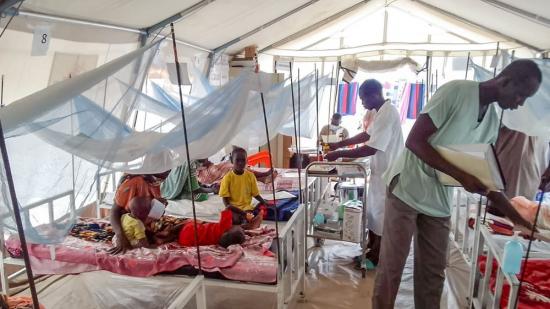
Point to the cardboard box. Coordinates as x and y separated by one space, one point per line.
250 51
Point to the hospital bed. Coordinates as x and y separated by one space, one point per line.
195 289
290 272
468 278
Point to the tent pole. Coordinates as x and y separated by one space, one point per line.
467 66
279 259
428 65
317 107
295 130
17 216
500 121
2 92
330 93
334 109
189 166
299 124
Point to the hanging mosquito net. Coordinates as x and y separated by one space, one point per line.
59 138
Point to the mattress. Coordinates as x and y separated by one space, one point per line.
250 262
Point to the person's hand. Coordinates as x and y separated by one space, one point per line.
162 200
249 216
545 181
472 184
334 146
121 246
332 156
216 188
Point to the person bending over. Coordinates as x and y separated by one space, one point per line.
417 203
147 186
238 188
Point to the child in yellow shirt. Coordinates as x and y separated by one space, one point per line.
143 211
238 187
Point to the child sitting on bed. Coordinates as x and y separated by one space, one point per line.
223 233
238 187
143 211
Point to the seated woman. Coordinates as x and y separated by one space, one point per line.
130 186
177 185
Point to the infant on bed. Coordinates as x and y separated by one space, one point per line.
146 212
528 210
142 211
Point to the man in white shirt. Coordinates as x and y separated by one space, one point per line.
384 143
334 128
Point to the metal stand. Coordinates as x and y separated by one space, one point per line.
312 202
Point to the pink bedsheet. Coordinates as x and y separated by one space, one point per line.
251 262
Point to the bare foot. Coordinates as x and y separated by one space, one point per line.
254 223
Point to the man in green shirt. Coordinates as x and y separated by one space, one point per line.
460 112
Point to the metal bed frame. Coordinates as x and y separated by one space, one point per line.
291 271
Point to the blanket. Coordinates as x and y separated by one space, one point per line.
251 261
535 291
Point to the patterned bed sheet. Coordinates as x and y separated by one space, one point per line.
250 262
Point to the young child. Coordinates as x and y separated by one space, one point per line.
238 187
223 233
142 211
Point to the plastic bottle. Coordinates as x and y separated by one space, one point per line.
512 256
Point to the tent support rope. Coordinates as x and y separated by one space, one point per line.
189 166
17 216
317 108
279 259
296 135
499 124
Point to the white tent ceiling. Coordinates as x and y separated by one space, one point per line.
213 23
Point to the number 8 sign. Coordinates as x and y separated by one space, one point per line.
40 41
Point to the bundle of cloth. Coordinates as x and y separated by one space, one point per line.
528 210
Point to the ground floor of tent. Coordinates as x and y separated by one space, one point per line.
331 282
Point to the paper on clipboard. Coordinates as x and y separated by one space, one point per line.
331 138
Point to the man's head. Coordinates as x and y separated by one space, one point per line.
238 158
336 119
233 236
371 95
140 207
518 81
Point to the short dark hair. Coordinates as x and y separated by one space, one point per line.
337 115
233 236
521 70
370 86
238 150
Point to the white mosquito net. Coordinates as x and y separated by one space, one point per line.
59 138
533 118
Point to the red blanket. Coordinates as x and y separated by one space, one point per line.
535 290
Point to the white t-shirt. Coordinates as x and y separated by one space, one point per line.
386 136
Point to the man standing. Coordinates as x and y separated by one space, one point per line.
384 143
334 128
460 112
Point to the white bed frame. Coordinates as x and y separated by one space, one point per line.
480 292
460 232
290 273
195 288
25 211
